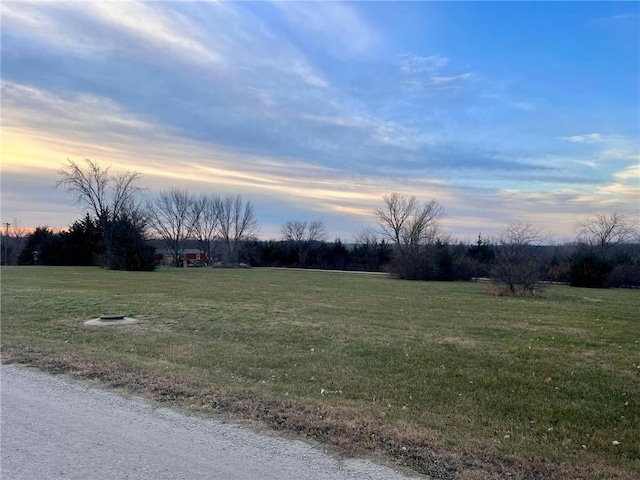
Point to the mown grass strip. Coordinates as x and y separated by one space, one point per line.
441 376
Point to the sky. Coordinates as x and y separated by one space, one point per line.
501 111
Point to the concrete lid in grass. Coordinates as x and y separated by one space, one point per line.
110 319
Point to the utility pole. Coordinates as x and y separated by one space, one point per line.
6 243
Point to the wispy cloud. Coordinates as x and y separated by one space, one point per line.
623 17
629 175
587 138
605 149
39 133
43 22
428 72
223 39
336 28
69 114
414 64
153 26
307 73
141 26
443 80
588 163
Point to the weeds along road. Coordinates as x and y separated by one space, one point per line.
56 428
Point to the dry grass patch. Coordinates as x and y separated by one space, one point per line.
342 427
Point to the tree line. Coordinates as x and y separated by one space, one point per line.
606 252
409 242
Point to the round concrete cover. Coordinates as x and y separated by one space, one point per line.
110 319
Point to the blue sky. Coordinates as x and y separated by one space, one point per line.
502 111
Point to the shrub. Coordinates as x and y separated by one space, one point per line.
589 269
517 267
624 276
517 276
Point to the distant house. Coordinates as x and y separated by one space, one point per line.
194 257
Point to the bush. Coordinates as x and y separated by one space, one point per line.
559 272
624 276
517 275
518 268
127 248
84 244
42 247
589 269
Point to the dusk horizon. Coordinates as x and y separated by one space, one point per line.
502 112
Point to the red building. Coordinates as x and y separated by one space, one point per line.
193 256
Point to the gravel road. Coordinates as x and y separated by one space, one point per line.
57 428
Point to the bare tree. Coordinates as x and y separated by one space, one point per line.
106 196
423 226
294 230
110 199
606 230
413 228
397 210
236 222
367 236
170 215
405 221
516 268
206 226
303 235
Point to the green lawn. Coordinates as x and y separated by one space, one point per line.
440 376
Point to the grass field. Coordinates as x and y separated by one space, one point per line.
442 377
